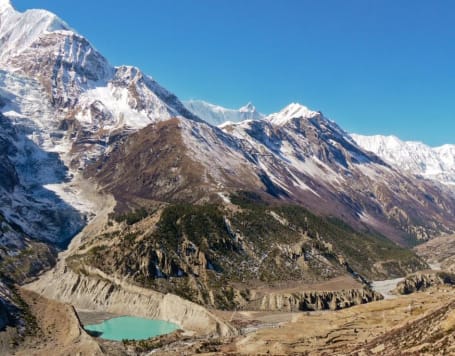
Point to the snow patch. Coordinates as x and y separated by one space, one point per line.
224 197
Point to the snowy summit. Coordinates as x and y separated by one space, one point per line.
292 111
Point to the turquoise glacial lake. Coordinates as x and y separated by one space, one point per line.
131 328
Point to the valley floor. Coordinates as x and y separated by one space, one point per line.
418 324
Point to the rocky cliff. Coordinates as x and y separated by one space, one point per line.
314 300
423 280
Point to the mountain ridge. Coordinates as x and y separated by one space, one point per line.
297 154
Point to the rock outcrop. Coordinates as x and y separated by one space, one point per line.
314 300
423 280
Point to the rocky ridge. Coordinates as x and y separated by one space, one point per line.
208 254
314 300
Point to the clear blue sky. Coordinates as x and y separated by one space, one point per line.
385 66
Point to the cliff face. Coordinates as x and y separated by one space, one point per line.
314 300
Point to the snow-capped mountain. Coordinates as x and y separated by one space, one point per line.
73 87
27 199
217 115
296 155
62 104
316 161
78 82
437 163
20 31
290 112
74 112
81 138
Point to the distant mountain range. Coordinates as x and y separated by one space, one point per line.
217 115
437 163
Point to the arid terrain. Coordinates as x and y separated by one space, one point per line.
421 323
394 326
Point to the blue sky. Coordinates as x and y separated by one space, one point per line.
385 66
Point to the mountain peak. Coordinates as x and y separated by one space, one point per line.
292 111
248 108
19 30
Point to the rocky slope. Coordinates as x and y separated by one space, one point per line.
290 157
56 331
313 160
10 310
432 334
421 324
218 256
437 163
25 198
439 252
95 290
